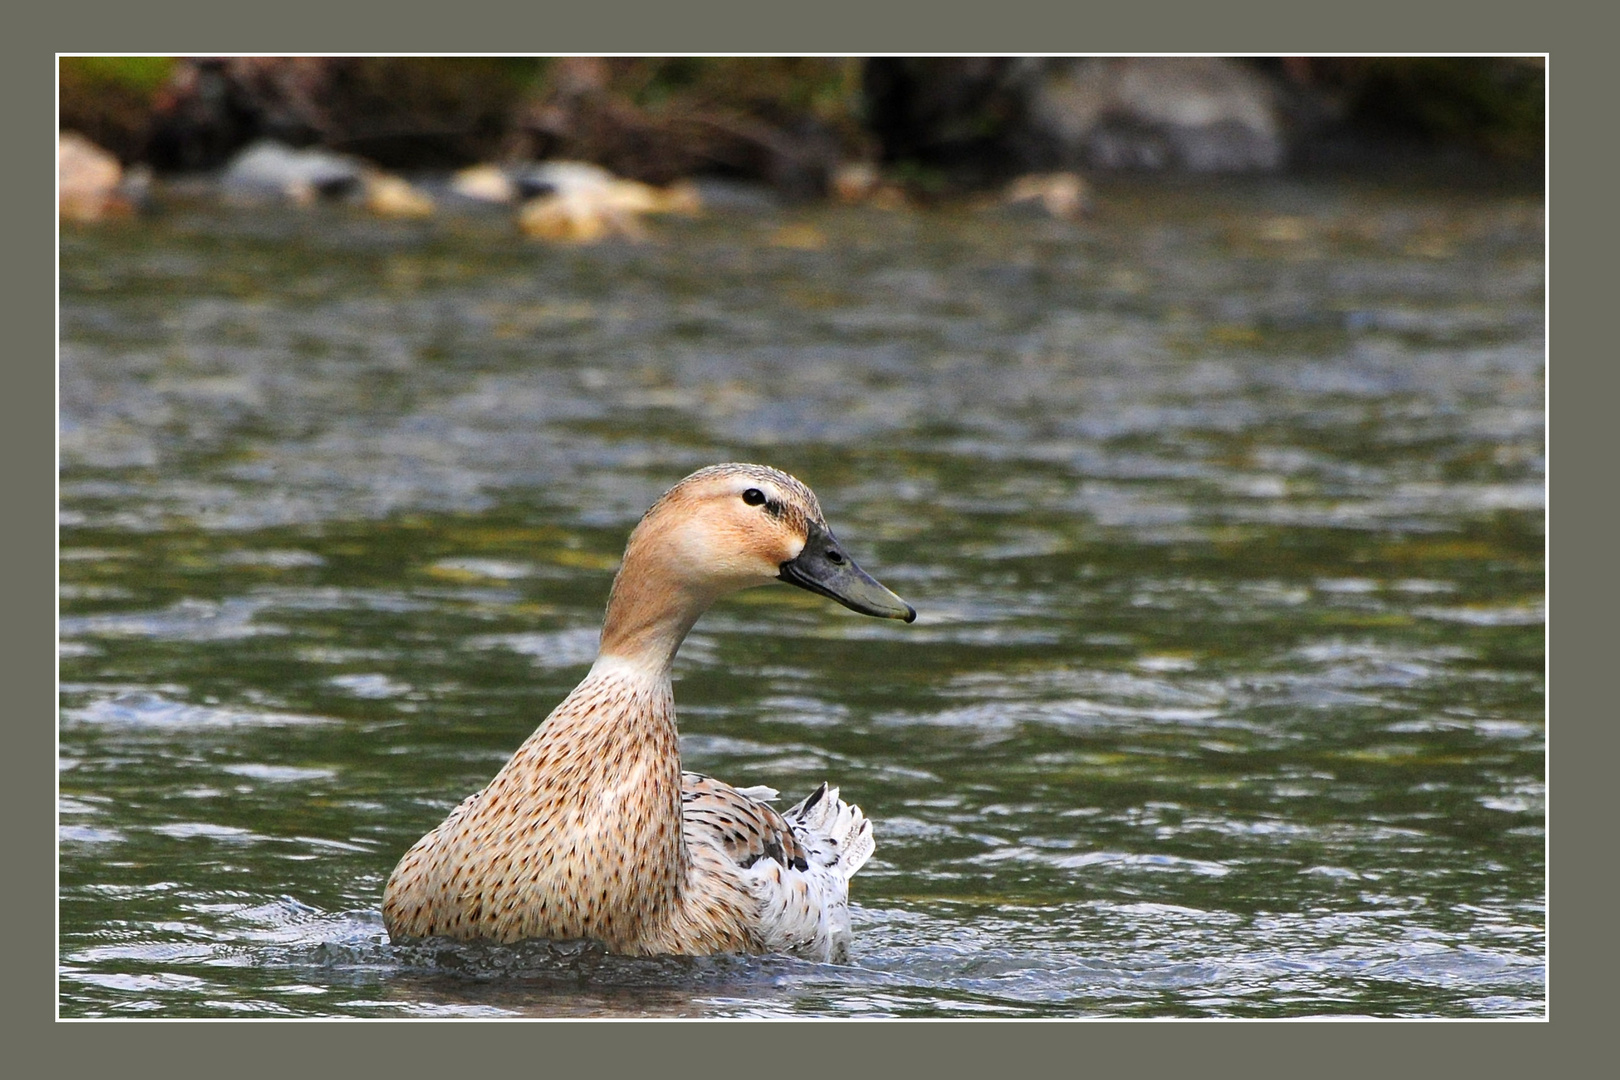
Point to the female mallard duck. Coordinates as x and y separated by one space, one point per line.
592 830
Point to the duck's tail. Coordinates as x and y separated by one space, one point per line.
834 833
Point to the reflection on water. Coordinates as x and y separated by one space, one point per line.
1222 514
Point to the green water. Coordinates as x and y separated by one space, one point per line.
1222 512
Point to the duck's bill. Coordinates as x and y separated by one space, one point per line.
822 567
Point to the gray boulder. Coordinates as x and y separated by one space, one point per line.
1199 114
269 169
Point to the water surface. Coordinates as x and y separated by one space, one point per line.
1222 512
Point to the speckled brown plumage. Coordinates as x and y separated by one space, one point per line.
592 830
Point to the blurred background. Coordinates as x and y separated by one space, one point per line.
1197 405
935 126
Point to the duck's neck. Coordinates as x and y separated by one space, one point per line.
650 610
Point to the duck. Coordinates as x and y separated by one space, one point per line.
593 830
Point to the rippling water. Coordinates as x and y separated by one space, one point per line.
1222 512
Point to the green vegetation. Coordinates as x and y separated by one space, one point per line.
135 74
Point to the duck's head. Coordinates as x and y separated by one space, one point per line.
733 526
730 527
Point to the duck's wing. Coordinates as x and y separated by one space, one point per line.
795 863
738 822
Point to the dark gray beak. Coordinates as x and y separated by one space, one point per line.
822 567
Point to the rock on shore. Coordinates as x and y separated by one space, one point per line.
88 180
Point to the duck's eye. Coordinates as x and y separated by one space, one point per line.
754 497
